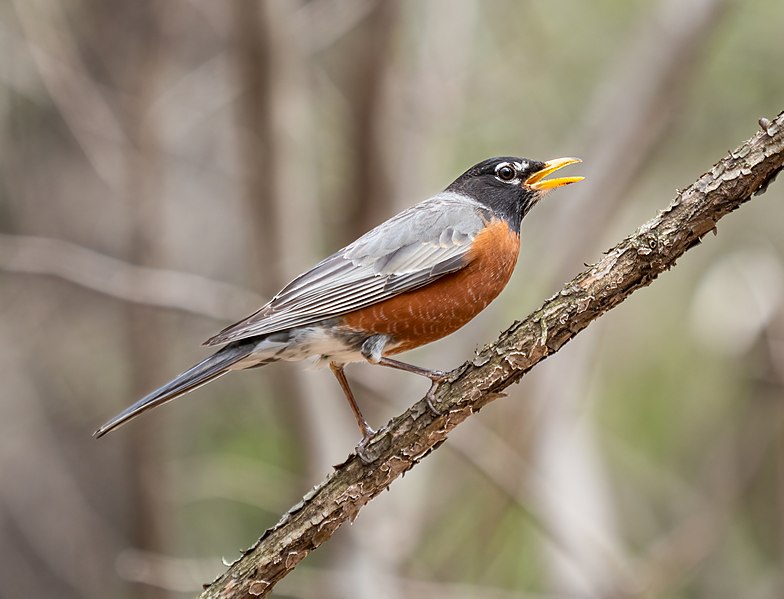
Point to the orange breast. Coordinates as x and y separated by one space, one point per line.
431 312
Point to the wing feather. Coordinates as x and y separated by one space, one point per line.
411 249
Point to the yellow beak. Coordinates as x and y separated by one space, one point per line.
536 180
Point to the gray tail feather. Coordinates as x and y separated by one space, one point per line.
205 371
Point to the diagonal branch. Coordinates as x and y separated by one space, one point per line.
632 264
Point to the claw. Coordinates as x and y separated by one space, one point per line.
362 454
361 448
430 397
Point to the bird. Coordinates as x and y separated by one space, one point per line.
413 279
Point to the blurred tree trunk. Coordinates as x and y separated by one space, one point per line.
146 327
260 165
367 198
367 193
257 61
270 174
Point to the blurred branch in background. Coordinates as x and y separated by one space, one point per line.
629 266
121 280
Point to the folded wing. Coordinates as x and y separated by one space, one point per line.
414 248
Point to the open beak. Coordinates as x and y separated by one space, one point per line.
538 181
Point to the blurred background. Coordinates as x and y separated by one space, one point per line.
165 166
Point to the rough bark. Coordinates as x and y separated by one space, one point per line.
632 264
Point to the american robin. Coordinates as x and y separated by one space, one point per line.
414 279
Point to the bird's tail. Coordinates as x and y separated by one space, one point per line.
205 371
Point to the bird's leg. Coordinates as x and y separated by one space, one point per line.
373 349
435 376
364 427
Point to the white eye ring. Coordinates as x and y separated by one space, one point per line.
506 172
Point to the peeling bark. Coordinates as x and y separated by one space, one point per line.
632 264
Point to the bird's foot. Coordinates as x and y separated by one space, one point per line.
437 377
362 447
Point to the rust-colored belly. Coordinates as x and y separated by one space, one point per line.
434 311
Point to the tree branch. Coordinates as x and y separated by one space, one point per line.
632 264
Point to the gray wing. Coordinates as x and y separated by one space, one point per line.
411 249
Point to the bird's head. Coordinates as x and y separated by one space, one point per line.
511 186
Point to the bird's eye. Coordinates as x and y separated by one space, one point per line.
505 172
